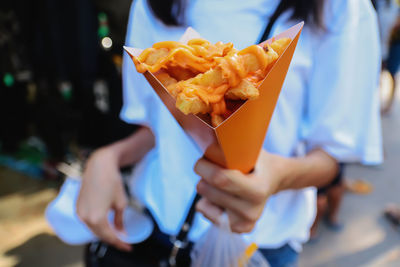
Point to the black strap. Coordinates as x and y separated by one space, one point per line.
182 236
189 218
278 11
180 241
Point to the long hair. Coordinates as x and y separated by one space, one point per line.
168 11
171 12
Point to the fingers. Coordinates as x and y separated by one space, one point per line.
119 208
102 228
209 210
104 231
245 210
213 213
231 181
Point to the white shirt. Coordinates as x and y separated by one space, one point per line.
329 100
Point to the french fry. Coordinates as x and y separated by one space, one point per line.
166 79
242 129
156 55
280 45
202 76
191 104
217 119
243 91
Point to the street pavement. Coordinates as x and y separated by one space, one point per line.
367 238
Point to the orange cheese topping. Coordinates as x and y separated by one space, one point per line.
249 63
207 71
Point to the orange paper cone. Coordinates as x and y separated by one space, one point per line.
237 142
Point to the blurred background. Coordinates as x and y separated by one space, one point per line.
60 97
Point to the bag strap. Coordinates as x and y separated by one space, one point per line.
189 220
180 241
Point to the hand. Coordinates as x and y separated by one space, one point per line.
242 196
101 191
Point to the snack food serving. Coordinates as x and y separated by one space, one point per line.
207 78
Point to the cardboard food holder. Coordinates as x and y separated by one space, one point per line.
236 142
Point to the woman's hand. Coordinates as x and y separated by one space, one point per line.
101 191
242 196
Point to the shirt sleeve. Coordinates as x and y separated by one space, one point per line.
342 113
136 94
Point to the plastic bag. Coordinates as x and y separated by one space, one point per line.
219 247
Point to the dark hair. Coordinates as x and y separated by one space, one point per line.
171 11
168 11
375 3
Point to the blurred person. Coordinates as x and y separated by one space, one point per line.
389 27
387 11
328 104
329 199
392 213
393 61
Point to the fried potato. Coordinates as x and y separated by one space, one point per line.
209 51
211 87
216 120
156 55
180 73
211 78
168 82
202 76
165 79
245 90
191 104
280 45
258 58
173 89
184 58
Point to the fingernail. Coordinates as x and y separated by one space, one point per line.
197 167
201 187
199 206
203 168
